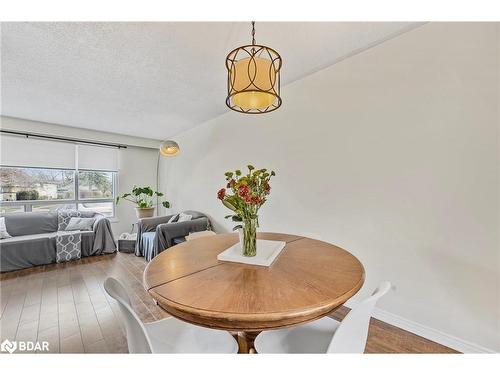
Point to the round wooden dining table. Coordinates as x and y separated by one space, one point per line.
308 280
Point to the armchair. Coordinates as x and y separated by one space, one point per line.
155 234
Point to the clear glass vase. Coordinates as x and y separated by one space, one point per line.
249 237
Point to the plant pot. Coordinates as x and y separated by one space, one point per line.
144 212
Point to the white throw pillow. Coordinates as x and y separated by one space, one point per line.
3 230
80 223
173 219
184 217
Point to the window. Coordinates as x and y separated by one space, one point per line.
104 208
11 209
49 189
46 175
95 185
52 207
36 184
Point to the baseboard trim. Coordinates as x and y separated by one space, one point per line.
429 333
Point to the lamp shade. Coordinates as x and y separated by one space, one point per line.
253 79
169 148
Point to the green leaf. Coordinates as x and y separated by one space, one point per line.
165 204
117 199
233 200
236 218
228 205
228 216
159 194
136 191
250 167
238 172
237 227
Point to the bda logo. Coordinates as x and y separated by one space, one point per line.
8 346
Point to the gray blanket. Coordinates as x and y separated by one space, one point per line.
104 242
164 232
34 240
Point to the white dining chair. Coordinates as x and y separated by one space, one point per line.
168 335
325 335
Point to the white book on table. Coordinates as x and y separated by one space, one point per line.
267 252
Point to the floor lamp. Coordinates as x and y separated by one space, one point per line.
168 149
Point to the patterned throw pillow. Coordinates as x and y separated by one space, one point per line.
64 216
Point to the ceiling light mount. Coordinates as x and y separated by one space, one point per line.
253 81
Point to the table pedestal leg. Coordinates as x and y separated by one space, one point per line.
245 341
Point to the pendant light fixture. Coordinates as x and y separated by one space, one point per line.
169 148
253 81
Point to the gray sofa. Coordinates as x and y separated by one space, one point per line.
155 234
33 241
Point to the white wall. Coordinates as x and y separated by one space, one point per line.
137 164
391 154
137 167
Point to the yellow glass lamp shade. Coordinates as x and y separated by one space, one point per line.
169 148
253 81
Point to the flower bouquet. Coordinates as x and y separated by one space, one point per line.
245 195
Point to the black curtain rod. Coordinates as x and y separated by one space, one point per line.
73 140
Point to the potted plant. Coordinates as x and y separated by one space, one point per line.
143 198
249 193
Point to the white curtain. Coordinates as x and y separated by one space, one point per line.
97 157
19 151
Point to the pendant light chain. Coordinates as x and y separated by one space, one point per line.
253 33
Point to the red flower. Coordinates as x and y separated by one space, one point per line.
243 191
221 194
267 188
252 199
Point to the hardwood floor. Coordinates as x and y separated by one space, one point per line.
65 304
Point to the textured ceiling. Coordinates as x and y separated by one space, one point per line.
153 79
